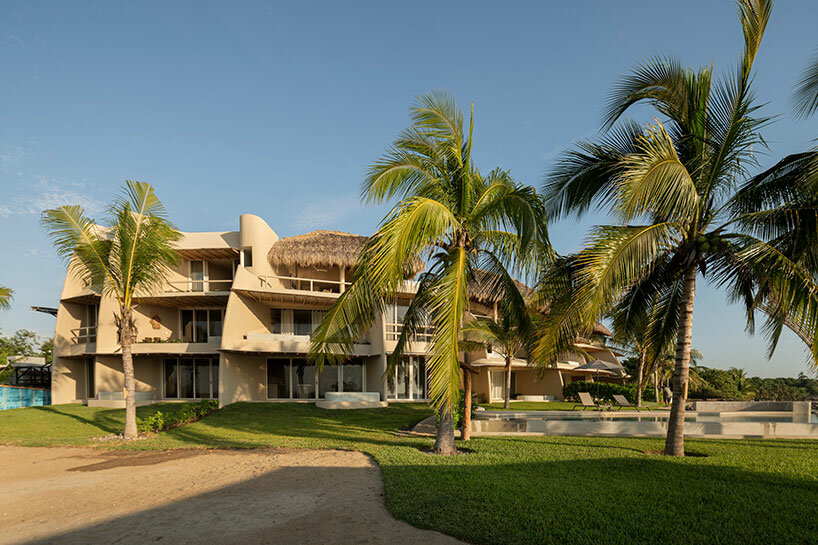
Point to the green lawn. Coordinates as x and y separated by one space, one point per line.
518 490
552 406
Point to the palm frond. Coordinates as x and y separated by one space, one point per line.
806 91
6 295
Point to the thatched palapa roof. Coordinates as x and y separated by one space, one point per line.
487 287
317 249
322 249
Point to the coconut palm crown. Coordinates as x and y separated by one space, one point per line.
680 190
449 215
132 255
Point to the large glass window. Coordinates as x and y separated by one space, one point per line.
186 379
89 377
328 380
278 378
214 323
202 378
418 378
303 374
276 321
353 375
171 379
402 380
196 276
200 326
187 326
302 322
191 378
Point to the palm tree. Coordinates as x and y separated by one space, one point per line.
449 215
745 387
132 255
679 187
6 295
512 335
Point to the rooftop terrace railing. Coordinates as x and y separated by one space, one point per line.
302 284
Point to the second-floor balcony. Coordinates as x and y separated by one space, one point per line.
315 285
422 334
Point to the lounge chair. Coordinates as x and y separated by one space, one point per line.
622 401
585 401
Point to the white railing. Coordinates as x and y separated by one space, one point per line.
82 335
302 284
422 334
199 286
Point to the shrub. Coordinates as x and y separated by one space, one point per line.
599 390
457 415
188 412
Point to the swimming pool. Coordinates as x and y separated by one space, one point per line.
701 424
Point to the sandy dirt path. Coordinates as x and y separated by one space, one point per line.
63 495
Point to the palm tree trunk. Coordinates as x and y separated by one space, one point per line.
656 382
507 399
639 376
126 339
675 442
444 444
465 432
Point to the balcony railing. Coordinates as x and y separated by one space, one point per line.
422 334
82 335
302 284
199 286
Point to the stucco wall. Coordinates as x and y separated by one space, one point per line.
242 377
67 380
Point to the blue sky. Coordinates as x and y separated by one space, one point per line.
277 109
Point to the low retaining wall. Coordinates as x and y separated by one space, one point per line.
16 397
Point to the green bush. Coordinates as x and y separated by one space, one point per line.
188 412
599 390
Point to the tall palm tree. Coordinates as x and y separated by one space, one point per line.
451 216
6 295
679 187
130 256
512 335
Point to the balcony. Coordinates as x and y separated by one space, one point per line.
315 285
422 334
84 335
190 293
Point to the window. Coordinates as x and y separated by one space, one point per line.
201 325
276 321
188 378
171 379
409 380
278 378
197 276
214 323
91 320
89 378
302 322
247 257
303 379
295 378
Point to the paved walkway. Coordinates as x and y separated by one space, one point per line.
64 495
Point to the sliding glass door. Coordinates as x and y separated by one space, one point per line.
189 378
295 378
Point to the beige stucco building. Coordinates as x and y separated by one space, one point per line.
234 324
